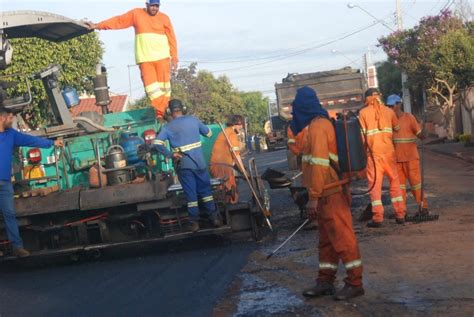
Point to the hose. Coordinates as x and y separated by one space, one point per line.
92 123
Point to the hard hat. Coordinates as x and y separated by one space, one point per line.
153 2
393 99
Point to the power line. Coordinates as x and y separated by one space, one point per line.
251 58
300 51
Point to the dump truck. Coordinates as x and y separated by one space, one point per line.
275 133
338 90
104 188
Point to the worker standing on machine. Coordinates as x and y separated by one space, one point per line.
156 50
183 134
377 124
10 138
329 207
222 161
408 159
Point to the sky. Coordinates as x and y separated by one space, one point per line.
255 43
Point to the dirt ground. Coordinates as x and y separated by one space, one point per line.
420 269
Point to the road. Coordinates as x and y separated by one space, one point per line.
179 279
416 269
410 270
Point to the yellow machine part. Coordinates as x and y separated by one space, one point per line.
33 171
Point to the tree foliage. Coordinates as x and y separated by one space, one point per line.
77 57
212 99
438 54
389 78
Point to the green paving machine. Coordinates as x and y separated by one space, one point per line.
103 188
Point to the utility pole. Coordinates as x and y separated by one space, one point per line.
405 90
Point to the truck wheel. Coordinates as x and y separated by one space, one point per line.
292 160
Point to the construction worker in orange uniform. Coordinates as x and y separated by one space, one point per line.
377 124
222 160
408 160
156 49
329 207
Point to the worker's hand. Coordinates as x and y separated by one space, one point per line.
312 209
59 143
177 156
92 26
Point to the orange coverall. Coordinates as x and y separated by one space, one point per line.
337 240
377 124
155 48
222 162
296 146
408 160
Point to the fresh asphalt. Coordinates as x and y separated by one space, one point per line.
184 278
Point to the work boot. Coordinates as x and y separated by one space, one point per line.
374 224
21 252
321 289
348 292
216 220
194 226
400 221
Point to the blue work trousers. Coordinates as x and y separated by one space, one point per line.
197 186
8 211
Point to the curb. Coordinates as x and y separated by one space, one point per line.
455 155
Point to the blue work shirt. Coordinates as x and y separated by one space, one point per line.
11 138
183 134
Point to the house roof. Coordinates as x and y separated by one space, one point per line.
118 104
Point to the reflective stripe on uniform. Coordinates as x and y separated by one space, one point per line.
187 147
158 89
404 140
159 142
150 47
397 199
376 203
209 134
327 266
416 187
236 149
315 160
207 199
291 141
334 157
403 186
377 131
353 264
192 204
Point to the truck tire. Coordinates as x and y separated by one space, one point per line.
292 160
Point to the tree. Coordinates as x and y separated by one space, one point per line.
256 111
437 54
77 57
388 75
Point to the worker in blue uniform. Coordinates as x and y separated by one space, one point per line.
183 134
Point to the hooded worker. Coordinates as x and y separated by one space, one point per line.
327 204
156 50
377 125
408 160
224 154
